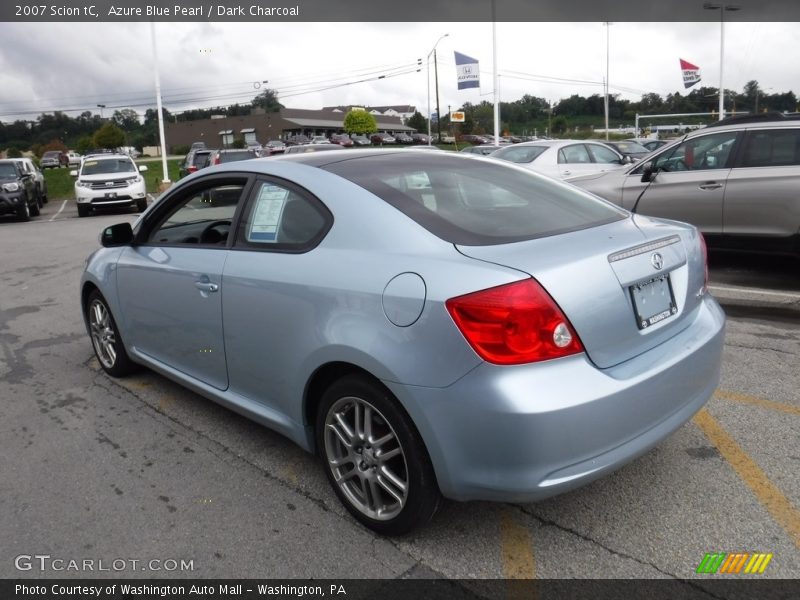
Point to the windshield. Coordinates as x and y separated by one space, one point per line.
630 148
7 171
116 165
477 202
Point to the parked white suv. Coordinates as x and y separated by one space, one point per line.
109 181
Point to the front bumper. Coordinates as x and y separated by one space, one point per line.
11 203
524 433
126 196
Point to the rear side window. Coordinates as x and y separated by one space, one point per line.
283 217
771 148
474 202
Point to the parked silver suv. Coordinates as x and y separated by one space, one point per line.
738 180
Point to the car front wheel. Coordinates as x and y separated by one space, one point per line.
374 457
24 211
106 340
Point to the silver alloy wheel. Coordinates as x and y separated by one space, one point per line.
104 337
366 458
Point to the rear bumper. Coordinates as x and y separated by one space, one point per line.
524 433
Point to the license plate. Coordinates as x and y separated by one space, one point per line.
653 301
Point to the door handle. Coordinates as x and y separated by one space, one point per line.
711 185
206 286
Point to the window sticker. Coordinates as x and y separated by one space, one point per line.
267 214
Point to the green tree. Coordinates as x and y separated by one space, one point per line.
268 100
560 125
418 122
84 144
127 119
109 136
360 122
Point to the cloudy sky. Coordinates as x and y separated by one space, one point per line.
74 67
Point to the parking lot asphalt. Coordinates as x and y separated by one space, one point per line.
768 286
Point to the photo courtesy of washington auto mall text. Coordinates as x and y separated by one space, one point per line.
162 589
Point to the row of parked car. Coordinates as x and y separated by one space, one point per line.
736 179
23 189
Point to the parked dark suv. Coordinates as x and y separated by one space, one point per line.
17 192
737 180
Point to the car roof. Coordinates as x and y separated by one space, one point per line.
769 118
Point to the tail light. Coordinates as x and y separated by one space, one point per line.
514 324
216 160
192 168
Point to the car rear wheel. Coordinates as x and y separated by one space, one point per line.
374 457
106 340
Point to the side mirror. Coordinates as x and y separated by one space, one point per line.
120 234
142 168
648 172
73 173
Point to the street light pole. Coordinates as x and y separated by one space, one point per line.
428 66
721 8
101 107
608 35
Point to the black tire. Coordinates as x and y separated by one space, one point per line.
24 211
39 197
141 205
83 211
35 209
370 485
106 339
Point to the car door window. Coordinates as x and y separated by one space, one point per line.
282 217
699 153
601 154
771 148
575 154
204 216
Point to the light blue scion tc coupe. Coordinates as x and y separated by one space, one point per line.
429 324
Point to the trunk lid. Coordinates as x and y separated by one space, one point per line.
625 287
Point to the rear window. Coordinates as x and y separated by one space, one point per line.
200 159
476 202
520 154
225 157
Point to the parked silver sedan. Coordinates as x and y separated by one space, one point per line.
430 324
562 159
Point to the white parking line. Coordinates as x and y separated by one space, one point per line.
758 291
63 206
